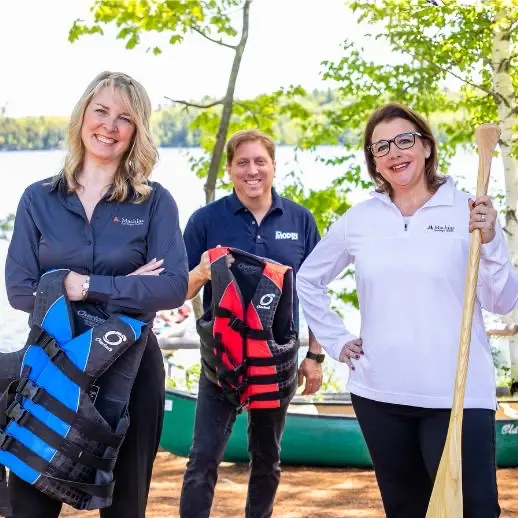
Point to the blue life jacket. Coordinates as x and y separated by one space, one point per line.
63 421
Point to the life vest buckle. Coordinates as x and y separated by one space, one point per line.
239 388
17 413
242 405
28 389
51 348
241 368
235 323
5 440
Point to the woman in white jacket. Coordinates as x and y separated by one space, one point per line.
410 245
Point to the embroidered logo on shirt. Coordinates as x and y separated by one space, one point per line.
286 235
129 222
441 228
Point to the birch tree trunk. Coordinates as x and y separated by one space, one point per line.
505 98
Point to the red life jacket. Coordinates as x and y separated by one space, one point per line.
248 341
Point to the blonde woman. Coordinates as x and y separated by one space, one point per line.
118 233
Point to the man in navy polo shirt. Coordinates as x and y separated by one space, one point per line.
256 219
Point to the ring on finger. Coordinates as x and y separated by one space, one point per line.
482 218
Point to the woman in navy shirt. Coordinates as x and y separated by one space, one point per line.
119 235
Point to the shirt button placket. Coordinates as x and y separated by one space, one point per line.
90 249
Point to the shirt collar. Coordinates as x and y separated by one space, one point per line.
237 206
445 195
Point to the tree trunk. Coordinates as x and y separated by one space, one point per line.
221 137
503 88
228 103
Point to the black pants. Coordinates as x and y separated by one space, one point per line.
406 445
215 417
135 461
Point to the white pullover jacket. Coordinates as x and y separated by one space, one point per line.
410 285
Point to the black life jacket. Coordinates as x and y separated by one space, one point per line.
63 421
248 342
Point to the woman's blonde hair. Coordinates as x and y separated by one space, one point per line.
137 163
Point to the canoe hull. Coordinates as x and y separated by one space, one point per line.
309 439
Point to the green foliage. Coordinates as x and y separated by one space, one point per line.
184 378
175 126
32 133
174 18
277 114
330 381
6 226
428 44
502 370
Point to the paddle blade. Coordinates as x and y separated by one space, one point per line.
446 500
486 136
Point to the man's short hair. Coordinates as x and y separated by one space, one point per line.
251 135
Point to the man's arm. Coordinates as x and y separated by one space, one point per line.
310 369
314 346
195 240
199 276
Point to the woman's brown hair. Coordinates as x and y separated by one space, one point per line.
398 111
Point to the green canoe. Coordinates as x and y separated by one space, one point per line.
322 433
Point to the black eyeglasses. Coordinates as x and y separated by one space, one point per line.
402 141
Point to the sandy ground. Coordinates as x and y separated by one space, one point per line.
303 493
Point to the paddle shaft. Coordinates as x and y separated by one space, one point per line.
446 500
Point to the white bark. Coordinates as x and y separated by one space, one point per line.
503 89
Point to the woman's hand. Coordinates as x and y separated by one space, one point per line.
483 216
74 286
151 268
351 351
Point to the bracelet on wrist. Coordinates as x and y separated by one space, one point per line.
85 287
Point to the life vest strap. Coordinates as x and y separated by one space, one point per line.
103 491
268 379
32 459
88 428
238 325
286 356
269 396
9 444
57 355
24 418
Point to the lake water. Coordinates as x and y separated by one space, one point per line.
20 169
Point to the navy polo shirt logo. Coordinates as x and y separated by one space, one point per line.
129 222
286 235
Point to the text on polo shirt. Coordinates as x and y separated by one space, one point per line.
286 235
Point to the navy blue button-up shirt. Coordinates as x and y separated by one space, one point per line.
51 231
287 234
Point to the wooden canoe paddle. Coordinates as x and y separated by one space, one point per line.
446 500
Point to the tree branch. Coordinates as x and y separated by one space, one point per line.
448 71
250 111
226 112
194 105
508 330
218 42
